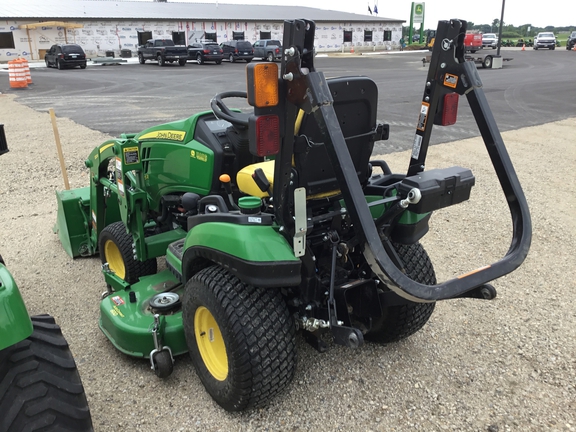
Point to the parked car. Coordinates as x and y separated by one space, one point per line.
268 49
205 51
65 56
162 51
237 50
545 40
571 41
472 41
489 40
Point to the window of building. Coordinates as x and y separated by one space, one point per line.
387 35
367 35
347 36
265 35
6 40
179 38
143 37
211 36
238 35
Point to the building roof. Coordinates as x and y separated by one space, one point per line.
112 9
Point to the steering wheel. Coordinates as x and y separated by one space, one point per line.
221 111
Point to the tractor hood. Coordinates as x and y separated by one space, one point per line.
180 131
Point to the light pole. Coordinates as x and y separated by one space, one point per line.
500 29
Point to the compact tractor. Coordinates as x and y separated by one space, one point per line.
276 221
40 388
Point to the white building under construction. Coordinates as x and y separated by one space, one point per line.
29 27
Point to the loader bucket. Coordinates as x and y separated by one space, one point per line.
72 224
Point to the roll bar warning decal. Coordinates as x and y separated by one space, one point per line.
423 116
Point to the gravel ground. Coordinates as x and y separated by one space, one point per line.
508 364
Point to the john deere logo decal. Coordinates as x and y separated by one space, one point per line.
170 135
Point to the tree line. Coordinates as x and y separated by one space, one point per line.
511 31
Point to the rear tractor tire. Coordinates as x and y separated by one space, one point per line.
400 321
241 339
115 246
40 387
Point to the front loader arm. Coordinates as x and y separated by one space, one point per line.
308 90
120 194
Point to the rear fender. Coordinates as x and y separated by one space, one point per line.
257 255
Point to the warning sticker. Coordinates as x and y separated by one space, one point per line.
118 300
450 80
131 155
423 116
416 146
119 180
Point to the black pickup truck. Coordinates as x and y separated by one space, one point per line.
162 51
268 49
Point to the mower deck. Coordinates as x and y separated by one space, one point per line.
127 319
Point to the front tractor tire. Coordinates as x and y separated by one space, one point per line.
115 246
241 339
400 321
40 387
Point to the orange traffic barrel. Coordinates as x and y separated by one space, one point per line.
17 74
27 70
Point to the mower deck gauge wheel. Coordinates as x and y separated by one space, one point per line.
165 302
162 363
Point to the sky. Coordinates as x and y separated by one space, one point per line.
558 13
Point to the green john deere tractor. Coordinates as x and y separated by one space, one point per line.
275 222
40 388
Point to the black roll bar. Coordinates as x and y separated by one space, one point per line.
307 89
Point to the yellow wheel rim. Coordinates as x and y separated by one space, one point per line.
114 259
210 343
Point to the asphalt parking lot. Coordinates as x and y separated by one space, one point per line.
533 88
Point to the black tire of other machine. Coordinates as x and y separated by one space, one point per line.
40 383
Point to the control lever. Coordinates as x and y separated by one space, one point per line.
225 180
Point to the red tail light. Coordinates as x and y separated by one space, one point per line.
267 135
206 51
236 50
450 109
